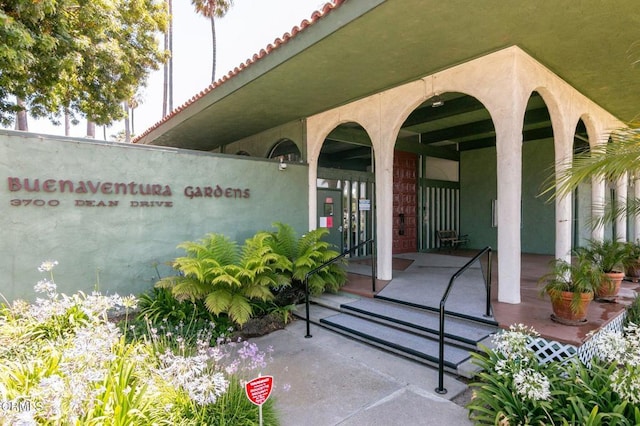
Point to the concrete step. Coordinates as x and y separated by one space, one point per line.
404 330
458 331
462 315
409 344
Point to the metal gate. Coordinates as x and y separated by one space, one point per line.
440 210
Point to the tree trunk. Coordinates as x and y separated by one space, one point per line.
133 131
21 116
170 30
67 123
213 48
167 90
165 84
127 127
91 129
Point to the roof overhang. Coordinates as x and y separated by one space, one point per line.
362 47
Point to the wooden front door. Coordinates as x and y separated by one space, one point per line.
405 202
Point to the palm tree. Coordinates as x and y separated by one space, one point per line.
212 9
21 120
127 123
609 161
167 101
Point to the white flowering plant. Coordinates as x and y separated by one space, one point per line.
64 362
513 387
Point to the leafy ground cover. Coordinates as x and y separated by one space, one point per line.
514 388
65 362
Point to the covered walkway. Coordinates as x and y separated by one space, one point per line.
422 277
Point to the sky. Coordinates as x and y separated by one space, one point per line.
248 27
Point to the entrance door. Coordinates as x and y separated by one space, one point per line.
330 215
405 202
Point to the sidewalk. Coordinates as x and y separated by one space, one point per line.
334 380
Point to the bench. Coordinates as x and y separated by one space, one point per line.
449 238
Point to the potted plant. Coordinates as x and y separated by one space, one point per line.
570 287
610 256
632 263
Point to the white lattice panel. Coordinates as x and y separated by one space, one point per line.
587 350
550 350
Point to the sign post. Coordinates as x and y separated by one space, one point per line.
258 391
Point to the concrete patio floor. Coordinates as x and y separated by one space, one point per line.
331 380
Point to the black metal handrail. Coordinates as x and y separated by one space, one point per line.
441 389
329 262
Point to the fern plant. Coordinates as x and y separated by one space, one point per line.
306 254
226 277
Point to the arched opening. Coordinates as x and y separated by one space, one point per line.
451 140
611 203
537 231
286 151
346 187
582 203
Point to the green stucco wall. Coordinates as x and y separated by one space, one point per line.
538 213
259 145
478 187
105 230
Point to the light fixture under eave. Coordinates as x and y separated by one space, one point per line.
437 101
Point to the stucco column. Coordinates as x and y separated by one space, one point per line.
384 209
636 218
509 152
598 188
564 152
621 200
313 194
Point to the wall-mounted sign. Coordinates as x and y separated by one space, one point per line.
37 192
364 204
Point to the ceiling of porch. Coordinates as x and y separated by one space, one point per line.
363 47
450 122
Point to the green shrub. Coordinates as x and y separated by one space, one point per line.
270 267
226 278
513 388
159 309
159 304
633 312
86 372
306 254
233 408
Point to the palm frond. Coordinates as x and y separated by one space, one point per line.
167 282
214 246
218 301
240 309
285 240
228 279
310 238
607 161
259 290
187 288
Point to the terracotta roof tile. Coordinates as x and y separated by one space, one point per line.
315 16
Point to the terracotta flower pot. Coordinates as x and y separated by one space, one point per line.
561 304
610 285
632 271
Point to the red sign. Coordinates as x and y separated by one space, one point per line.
259 389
